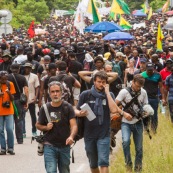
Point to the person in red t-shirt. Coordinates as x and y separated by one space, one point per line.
164 73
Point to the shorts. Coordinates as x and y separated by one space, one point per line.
97 151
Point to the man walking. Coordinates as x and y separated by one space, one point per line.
20 84
133 125
59 131
97 131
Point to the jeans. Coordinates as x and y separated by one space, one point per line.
57 156
8 122
171 110
19 121
154 119
97 151
137 130
31 108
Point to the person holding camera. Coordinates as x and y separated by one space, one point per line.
59 128
133 124
6 114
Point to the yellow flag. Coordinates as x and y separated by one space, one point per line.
160 37
150 13
124 23
115 9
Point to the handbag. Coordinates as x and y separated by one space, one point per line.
23 97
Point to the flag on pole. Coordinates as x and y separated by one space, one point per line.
124 24
79 19
150 13
165 6
160 37
31 31
92 9
118 7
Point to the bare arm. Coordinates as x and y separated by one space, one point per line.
74 129
125 77
26 92
112 76
124 114
77 84
47 127
85 75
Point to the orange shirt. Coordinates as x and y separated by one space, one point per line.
6 111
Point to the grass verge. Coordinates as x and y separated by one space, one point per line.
158 152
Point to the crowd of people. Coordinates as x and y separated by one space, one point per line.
65 70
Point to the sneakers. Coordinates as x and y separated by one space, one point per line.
34 134
11 152
2 152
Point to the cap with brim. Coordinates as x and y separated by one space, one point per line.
143 60
150 66
169 60
28 65
6 55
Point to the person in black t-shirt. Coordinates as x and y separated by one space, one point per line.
59 131
21 85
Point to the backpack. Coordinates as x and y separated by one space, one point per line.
116 68
66 93
80 122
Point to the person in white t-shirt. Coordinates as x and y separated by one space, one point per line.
33 86
20 59
135 124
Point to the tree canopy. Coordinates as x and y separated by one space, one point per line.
24 11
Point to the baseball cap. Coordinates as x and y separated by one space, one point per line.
143 60
6 55
27 64
150 66
169 60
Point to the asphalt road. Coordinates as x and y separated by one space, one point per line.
26 159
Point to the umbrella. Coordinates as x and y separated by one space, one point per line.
169 26
103 27
118 36
139 13
169 13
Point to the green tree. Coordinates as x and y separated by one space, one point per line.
29 10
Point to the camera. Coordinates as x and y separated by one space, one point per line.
6 104
40 140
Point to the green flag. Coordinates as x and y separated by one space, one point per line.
94 13
123 6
